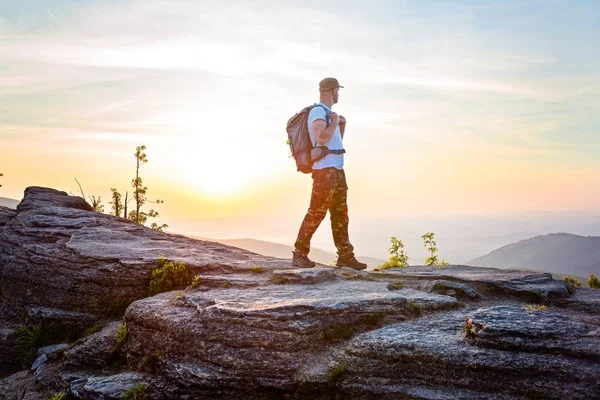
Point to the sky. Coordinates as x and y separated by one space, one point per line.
453 107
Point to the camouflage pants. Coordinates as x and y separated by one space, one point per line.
329 193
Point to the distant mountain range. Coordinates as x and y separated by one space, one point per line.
10 203
560 253
284 251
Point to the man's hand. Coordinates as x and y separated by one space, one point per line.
342 125
335 119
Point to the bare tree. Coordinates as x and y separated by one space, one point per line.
139 194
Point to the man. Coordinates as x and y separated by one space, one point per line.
329 191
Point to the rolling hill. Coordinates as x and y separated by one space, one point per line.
561 253
10 203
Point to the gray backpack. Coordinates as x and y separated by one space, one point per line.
299 141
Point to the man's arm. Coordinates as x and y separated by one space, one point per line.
322 132
342 125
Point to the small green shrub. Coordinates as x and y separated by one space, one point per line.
430 244
574 281
336 372
416 307
122 333
398 258
137 392
195 282
593 282
395 285
469 328
225 285
539 307
57 396
257 269
169 275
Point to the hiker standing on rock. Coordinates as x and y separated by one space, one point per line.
329 190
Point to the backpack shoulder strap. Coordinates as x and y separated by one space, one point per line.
327 112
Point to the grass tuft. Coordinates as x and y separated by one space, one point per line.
539 307
122 335
195 282
336 372
137 392
416 307
257 269
225 285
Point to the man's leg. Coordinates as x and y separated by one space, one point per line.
338 212
324 183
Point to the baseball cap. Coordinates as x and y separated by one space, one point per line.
329 84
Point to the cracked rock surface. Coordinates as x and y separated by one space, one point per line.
256 327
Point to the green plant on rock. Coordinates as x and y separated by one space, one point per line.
593 282
398 258
540 307
57 396
137 392
469 329
195 282
574 281
257 269
122 334
225 285
336 372
40 334
416 307
169 275
430 244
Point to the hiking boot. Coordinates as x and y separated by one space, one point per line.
351 262
302 261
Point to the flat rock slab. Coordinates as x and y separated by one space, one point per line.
95 349
265 332
492 282
518 328
432 352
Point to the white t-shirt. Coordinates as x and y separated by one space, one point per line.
335 143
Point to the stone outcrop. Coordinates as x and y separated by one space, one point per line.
59 259
255 327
